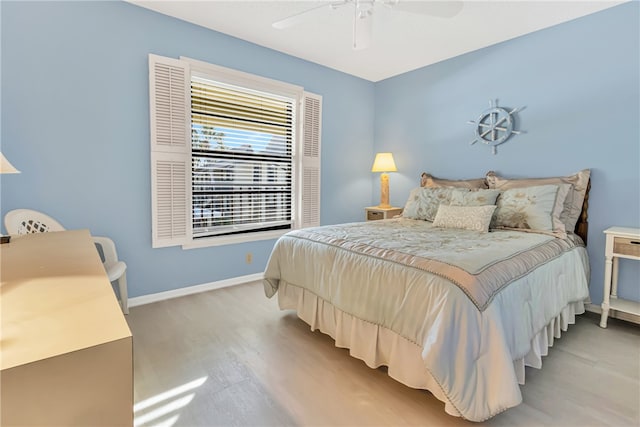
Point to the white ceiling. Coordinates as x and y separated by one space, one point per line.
401 41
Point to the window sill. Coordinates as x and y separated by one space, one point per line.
231 240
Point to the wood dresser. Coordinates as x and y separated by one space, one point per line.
66 353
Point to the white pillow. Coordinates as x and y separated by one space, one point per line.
476 218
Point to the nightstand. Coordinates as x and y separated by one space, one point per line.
374 213
621 243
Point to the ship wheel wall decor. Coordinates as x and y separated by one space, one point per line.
494 126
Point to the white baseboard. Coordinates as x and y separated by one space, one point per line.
613 313
161 296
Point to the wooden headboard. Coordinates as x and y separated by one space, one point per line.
582 226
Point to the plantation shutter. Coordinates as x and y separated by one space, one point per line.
312 126
170 131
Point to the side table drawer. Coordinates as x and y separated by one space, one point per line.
373 215
626 246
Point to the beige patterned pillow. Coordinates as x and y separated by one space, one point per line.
431 181
573 202
535 209
476 218
423 202
412 205
475 197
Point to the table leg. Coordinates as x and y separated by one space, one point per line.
607 291
614 278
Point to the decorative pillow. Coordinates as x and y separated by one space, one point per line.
573 202
475 197
431 181
412 205
476 218
423 202
535 209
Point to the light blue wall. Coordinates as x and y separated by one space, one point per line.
75 120
579 82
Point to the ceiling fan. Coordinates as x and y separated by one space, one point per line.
363 11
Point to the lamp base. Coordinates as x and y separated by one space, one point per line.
384 191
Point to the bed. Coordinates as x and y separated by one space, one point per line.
471 284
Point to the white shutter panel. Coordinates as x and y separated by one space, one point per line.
169 106
312 126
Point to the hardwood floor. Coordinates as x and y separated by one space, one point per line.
230 357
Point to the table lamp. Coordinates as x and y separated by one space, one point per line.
6 167
384 163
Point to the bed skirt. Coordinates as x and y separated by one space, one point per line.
379 346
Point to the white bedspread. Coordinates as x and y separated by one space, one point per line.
472 302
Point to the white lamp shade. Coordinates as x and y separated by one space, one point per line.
384 163
5 166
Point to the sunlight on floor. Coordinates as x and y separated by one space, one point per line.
161 409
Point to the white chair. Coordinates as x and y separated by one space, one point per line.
26 221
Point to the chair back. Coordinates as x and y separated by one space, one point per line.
26 221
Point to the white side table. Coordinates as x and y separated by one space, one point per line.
621 243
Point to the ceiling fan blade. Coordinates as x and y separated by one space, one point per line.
362 28
441 9
301 16
295 18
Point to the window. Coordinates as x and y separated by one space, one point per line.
234 157
242 159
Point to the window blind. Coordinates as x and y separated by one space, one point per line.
242 159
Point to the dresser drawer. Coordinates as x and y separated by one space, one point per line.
626 246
